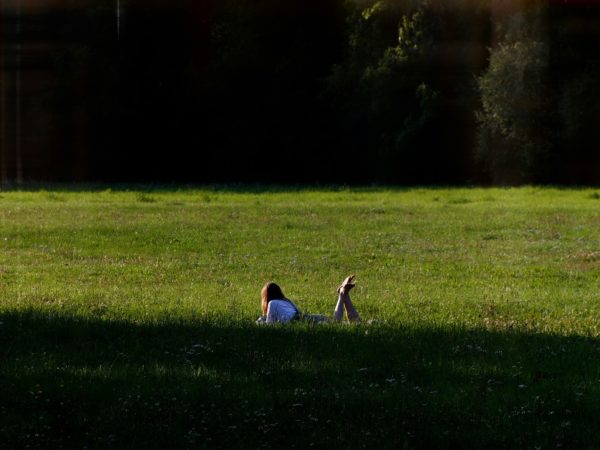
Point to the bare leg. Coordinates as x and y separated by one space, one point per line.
344 302
351 311
338 312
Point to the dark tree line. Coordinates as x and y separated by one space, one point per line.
540 111
388 91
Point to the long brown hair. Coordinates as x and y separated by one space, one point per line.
270 291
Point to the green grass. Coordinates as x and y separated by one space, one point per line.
127 318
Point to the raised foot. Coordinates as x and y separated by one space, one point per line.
346 285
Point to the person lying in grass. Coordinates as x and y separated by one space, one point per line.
277 308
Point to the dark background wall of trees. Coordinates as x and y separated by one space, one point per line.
353 91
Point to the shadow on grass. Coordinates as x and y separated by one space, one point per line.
70 382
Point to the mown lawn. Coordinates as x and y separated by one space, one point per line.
127 318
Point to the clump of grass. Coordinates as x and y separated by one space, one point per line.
55 197
459 201
145 198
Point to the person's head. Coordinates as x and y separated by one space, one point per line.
270 291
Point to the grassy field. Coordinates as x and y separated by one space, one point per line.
127 318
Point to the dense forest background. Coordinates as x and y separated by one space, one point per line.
297 91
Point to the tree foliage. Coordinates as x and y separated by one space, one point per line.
515 111
538 103
390 91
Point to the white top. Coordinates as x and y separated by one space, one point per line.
280 311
